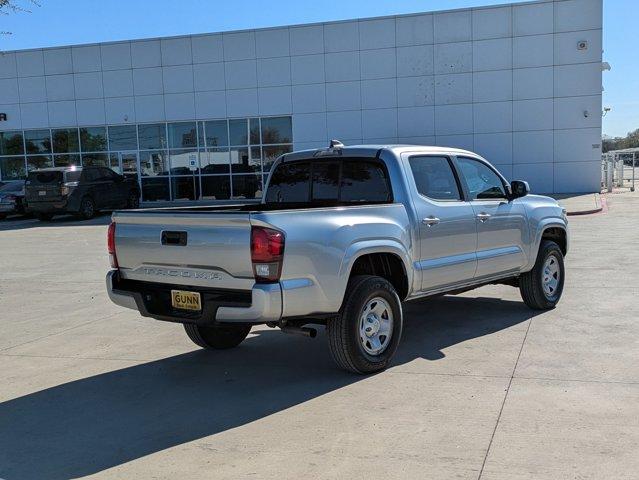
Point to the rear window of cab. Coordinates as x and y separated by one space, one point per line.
330 181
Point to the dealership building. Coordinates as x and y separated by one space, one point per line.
203 117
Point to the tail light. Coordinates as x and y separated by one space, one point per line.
267 254
113 259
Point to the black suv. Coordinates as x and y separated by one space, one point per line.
79 190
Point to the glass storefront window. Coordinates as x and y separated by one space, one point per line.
39 161
246 160
238 132
200 134
123 137
93 139
277 130
155 189
129 163
217 134
66 160
114 162
185 188
65 140
215 160
152 136
95 160
153 163
37 141
12 168
247 186
216 187
181 160
182 135
255 131
11 143
270 154
172 160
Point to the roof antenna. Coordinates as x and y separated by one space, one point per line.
336 144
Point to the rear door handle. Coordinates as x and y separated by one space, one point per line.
430 221
482 217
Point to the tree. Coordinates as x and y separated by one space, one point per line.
7 7
629 141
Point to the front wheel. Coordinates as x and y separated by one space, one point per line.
217 337
364 336
541 288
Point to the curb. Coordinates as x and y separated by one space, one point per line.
601 208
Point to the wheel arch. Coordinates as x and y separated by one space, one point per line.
387 259
550 228
557 234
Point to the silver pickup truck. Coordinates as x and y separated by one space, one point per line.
342 236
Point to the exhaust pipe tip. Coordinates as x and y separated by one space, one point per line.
303 331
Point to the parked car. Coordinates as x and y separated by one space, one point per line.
79 190
11 199
343 236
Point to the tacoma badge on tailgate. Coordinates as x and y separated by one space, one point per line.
182 273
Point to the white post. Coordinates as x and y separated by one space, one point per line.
619 170
634 160
610 165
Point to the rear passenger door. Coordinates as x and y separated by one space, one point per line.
447 230
502 228
92 186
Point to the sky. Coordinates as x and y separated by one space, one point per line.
69 22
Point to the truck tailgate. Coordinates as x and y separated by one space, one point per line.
200 249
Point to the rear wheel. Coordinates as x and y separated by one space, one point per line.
87 208
217 337
364 336
45 217
541 288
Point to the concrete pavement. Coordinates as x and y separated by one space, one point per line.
482 387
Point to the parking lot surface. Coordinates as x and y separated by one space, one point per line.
481 387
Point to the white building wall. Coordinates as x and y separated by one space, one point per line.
508 82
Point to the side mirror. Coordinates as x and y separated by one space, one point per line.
519 188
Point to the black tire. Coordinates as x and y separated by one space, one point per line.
531 284
343 331
87 208
44 217
133 201
217 337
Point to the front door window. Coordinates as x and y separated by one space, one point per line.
483 183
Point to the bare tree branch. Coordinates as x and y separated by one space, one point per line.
8 7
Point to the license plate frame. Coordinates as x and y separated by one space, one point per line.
186 300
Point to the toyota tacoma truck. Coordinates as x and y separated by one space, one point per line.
341 238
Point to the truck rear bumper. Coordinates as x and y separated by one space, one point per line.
262 304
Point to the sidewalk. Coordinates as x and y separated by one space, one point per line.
581 204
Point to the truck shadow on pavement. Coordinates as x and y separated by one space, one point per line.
95 423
